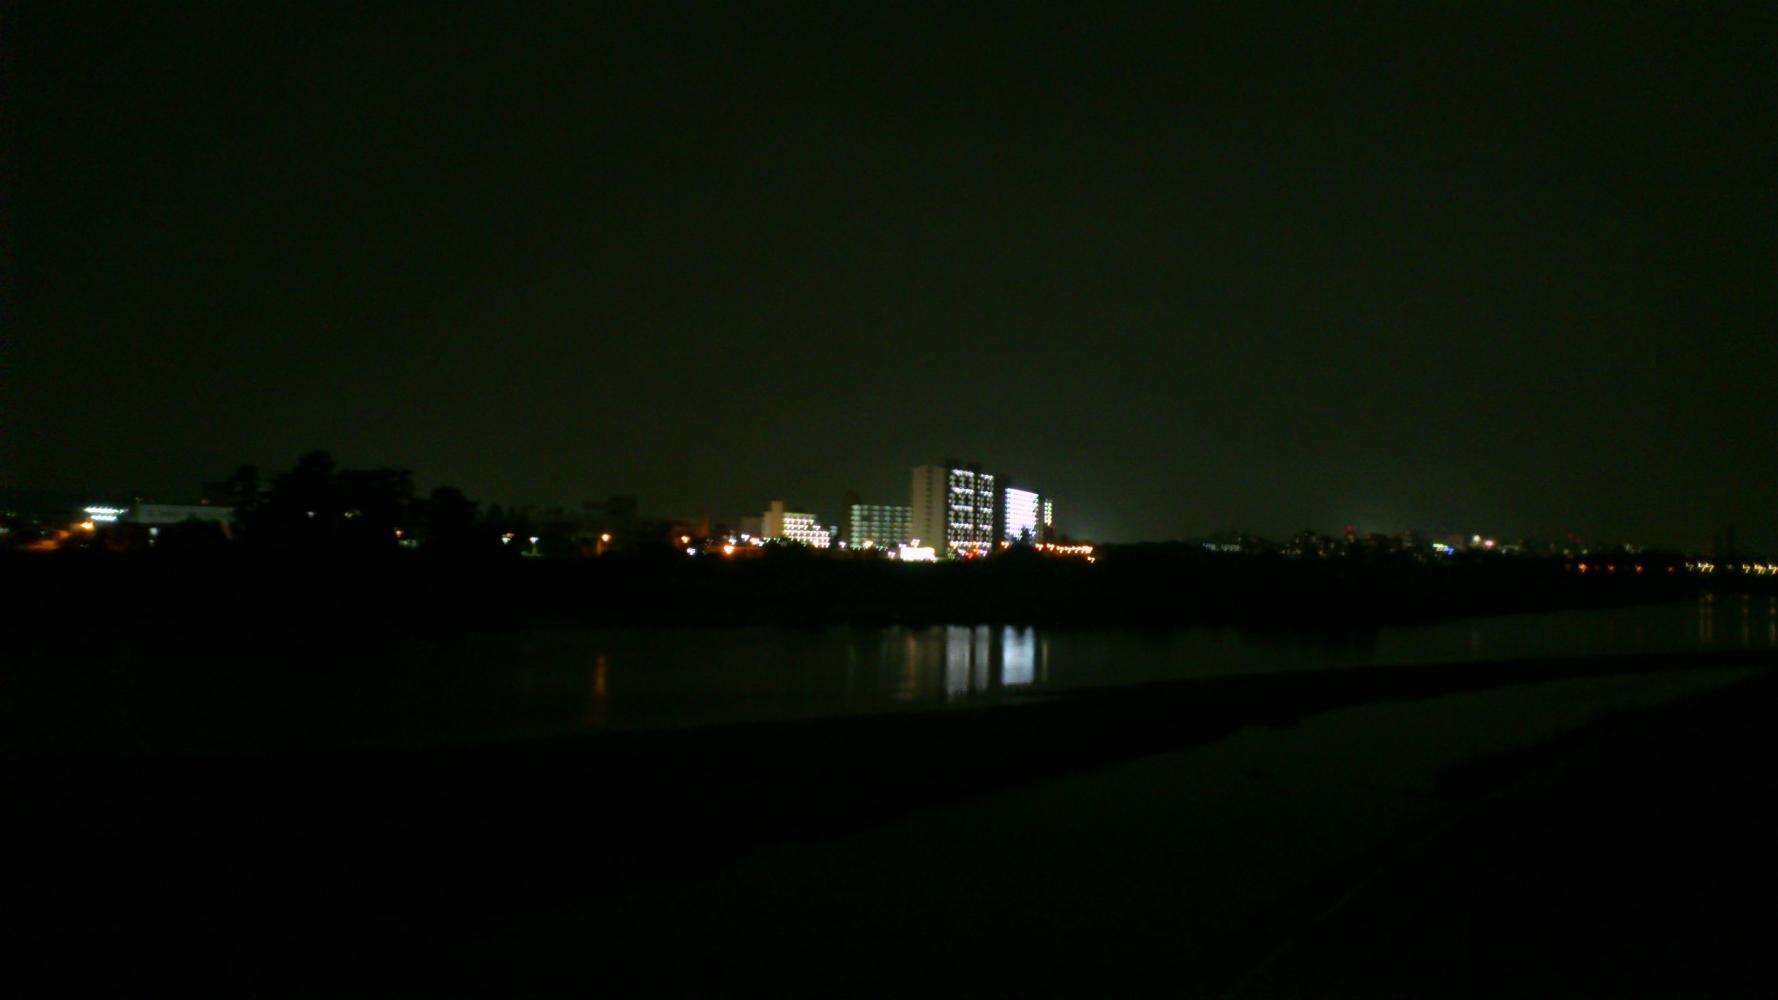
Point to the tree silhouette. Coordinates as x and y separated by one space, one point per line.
375 504
319 508
449 524
240 490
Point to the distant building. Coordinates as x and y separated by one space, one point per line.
927 521
878 526
954 504
1021 516
178 513
801 529
794 527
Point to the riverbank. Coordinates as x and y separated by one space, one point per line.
256 872
1630 857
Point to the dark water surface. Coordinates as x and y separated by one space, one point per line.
624 678
553 682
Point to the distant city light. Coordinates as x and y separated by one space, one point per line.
605 539
1066 550
728 548
917 553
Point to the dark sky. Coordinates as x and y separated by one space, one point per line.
1452 266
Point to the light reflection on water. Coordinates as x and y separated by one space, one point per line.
551 682
951 662
978 659
652 678
1021 656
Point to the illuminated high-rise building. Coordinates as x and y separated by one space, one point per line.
954 508
1021 516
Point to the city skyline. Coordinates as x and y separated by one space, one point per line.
834 520
1447 268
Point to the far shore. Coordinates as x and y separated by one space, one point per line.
236 595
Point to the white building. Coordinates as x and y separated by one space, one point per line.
1023 513
794 527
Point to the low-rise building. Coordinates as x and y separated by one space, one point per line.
178 513
793 526
878 526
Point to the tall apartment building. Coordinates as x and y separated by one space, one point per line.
954 508
1021 516
926 524
1024 516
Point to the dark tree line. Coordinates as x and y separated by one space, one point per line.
318 506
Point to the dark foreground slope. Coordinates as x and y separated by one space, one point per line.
359 870
1632 857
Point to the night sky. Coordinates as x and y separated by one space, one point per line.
1447 266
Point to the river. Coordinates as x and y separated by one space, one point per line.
549 682
472 686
